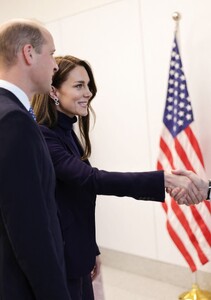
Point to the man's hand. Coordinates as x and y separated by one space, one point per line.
186 187
201 185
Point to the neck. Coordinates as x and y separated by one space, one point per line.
17 78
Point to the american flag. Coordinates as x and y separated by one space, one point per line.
188 226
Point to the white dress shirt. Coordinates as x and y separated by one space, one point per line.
16 91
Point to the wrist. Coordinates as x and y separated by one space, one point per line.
167 180
209 190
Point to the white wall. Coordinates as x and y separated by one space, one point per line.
128 44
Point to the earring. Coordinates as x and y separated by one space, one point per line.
56 101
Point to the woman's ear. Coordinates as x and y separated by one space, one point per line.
54 96
53 93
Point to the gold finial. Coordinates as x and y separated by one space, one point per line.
176 16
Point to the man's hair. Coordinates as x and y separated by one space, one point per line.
14 35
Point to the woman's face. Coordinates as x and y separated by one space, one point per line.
74 94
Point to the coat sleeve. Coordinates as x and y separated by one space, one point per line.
70 169
28 213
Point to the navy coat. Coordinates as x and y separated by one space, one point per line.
31 244
78 184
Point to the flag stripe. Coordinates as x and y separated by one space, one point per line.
167 152
194 143
183 156
204 228
196 215
181 217
180 245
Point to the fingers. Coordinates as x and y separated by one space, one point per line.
94 273
187 195
96 270
187 181
179 196
200 184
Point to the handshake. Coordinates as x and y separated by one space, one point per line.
186 187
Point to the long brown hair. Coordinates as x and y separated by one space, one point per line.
45 108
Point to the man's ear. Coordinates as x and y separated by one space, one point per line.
28 53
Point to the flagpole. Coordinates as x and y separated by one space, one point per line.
195 293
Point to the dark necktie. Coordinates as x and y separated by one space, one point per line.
31 111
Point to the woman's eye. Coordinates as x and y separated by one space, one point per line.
78 86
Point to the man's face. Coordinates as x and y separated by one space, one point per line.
44 65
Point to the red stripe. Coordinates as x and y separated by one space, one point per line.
203 227
159 166
178 242
196 215
165 207
183 156
194 143
181 217
164 147
180 245
208 205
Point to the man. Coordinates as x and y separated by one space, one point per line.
31 246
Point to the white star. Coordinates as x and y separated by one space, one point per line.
177 65
188 117
174 128
170 99
181 104
182 77
181 113
173 53
171 81
176 75
176 83
169 107
175 93
188 107
172 63
182 95
175 119
180 122
182 86
175 111
170 90
175 101
172 72
169 117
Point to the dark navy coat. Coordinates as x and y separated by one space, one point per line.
31 244
78 184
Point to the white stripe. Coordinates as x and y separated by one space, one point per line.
181 232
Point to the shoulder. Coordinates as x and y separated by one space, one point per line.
51 135
46 131
20 133
17 119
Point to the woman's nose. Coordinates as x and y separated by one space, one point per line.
88 93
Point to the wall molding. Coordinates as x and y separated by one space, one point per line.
172 274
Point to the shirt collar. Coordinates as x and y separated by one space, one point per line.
16 91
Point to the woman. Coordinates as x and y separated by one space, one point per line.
78 183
